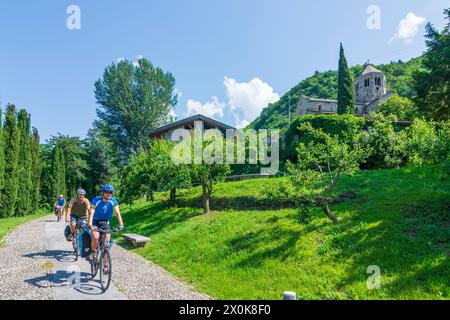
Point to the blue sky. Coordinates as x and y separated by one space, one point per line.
229 58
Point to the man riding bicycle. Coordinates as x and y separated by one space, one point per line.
102 208
77 210
59 206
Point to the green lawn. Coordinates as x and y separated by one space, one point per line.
399 221
8 224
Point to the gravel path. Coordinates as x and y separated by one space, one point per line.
25 264
36 263
144 280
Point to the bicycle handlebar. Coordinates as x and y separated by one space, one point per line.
106 231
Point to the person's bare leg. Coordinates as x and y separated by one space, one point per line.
94 241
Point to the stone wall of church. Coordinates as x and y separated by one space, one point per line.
315 106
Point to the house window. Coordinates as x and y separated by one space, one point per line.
378 81
366 82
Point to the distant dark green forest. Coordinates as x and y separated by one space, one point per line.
324 85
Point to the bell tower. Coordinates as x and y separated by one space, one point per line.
370 85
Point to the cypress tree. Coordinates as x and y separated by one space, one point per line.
36 171
2 155
58 173
25 165
346 97
11 146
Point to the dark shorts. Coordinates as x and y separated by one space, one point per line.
102 224
74 218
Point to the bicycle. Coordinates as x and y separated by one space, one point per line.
78 226
101 256
58 213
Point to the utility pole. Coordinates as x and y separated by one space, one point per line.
289 98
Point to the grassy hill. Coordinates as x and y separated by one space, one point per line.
324 85
399 221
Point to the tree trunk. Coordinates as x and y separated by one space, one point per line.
172 199
205 199
327 211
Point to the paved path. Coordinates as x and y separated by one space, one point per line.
37 263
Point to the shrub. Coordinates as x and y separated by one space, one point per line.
344 127
399 107
386 145
427 143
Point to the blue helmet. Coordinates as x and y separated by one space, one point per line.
108 187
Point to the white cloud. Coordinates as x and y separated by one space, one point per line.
120 59
136 62
247 99
241 124
408 27
172 113
209 109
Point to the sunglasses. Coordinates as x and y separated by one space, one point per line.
108 192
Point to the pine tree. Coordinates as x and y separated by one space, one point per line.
58 173
25 165
346 97
36 171
11 146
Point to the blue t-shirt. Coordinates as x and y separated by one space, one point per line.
103 210
61 202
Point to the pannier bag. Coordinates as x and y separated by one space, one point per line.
84 243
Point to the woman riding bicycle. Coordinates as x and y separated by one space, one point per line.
102 209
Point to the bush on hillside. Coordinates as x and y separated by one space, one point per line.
343 127
386 145
427 143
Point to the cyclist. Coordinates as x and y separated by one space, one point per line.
59 206
102 208
77 210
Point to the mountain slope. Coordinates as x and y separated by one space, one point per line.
324 85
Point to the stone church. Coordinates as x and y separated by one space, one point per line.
370 90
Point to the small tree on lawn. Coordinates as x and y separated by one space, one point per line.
320 164
210 166
153 170
208 175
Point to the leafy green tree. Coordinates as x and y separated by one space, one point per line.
153 170
320 164
99 157
76 166
46 155
11 144
346 98
433 82
401 108
58 173
208 175
133 100
427 143
24 196
36 170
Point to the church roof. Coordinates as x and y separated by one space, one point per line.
370 69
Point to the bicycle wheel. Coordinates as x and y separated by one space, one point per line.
105 270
